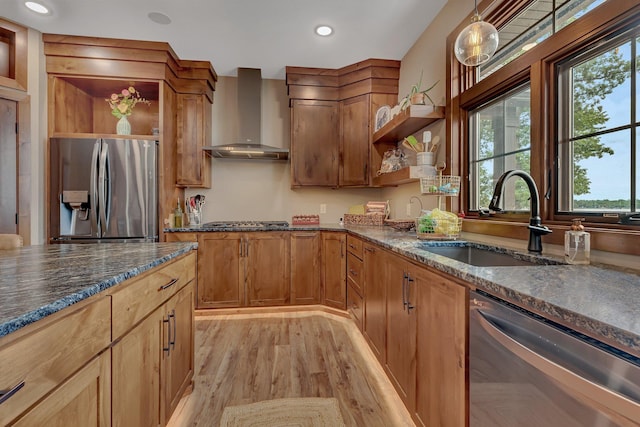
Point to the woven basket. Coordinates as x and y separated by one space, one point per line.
401 224
358 219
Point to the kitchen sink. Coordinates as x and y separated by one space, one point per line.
481 256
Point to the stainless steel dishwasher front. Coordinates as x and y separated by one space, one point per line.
525 371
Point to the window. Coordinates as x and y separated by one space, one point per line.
499 141
598 126
533 24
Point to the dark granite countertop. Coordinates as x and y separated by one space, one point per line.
595 300
37 281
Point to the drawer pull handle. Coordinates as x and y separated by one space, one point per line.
168 285
168 347
368 249
353 272
6 394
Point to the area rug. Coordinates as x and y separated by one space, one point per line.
292 412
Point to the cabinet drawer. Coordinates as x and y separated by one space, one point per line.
46 357
134 300
354 245
355 305
355 272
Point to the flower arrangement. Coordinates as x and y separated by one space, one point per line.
122 103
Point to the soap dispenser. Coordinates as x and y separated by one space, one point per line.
577 246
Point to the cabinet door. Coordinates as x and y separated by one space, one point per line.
267 268
305 267
178 335
354 145
82 400
315 139
220 270
441 349
136 361
401 328
334 270
375 300
193 133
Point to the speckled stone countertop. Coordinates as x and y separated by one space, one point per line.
37 281
600 302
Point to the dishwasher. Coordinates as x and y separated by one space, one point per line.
526 371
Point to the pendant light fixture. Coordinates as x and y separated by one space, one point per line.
477 43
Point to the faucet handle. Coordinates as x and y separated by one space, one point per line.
540 230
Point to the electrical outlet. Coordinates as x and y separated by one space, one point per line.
409 209
323 208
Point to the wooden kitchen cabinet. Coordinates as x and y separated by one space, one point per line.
441 397
375 294
193 133
152 357
401 283
57 360
315 139
220 270
305 267
266 259
334 269
355 119
239 269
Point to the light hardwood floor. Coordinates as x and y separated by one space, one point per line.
245 358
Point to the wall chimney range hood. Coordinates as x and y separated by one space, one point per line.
249 119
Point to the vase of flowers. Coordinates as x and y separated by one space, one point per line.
122 106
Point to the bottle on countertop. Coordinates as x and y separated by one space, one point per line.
177 214
577 245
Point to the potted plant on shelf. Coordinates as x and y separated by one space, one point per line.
417 95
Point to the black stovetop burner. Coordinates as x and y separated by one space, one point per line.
245 224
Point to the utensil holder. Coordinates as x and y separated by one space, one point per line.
425 158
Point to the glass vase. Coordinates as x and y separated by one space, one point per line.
123 127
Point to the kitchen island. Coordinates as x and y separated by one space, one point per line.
95 334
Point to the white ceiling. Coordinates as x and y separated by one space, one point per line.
266 34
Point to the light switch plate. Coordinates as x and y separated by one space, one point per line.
323 208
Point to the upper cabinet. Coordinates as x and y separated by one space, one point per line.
331 115
13 55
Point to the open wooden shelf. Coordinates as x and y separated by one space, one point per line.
406 123
104 136
402 176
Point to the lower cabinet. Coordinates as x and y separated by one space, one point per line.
267 268
425 342
334 269
305 267
152 365
82 400
375 297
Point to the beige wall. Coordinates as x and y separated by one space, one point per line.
428 55
260 190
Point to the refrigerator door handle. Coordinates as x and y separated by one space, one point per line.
102 187
94 189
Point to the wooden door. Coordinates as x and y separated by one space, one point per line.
355 118
220 270
441 349
267 268
401 328
305 267
82 400
315 140
334 269
136 361
178 361
8 167
375 300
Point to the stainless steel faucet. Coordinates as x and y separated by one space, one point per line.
536 229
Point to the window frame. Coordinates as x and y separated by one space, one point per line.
538 67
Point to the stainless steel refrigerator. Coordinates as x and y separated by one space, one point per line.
103 190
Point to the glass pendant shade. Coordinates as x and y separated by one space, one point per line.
477 43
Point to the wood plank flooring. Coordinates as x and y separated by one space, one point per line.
245 358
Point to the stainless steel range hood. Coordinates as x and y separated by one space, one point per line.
249 119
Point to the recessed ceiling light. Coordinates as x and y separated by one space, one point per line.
159 18
37 7
324 30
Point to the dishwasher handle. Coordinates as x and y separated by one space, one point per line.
598 396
